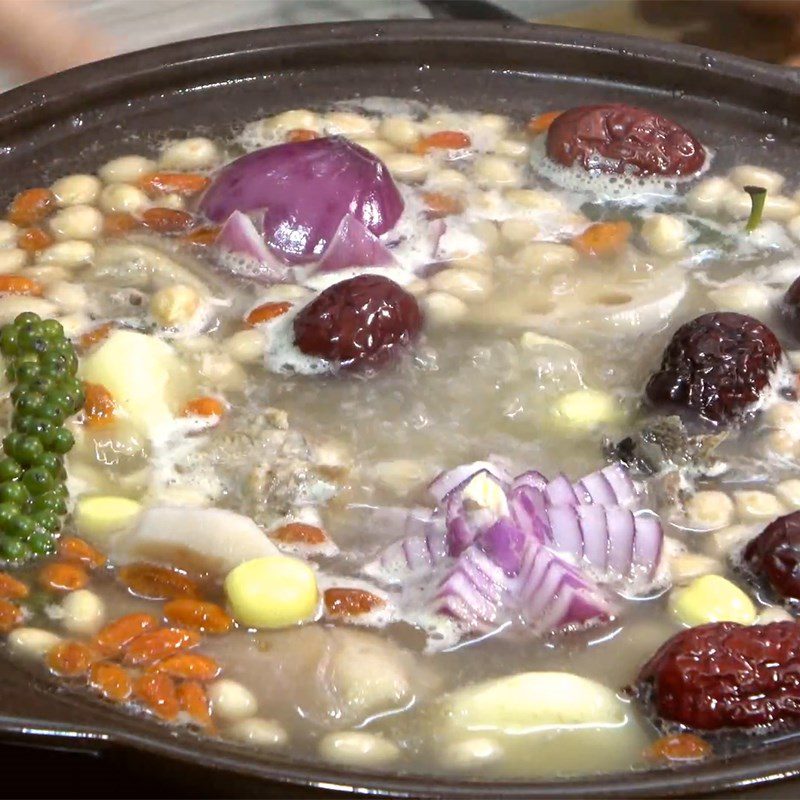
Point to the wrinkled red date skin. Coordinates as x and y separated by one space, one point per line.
716 366
623 139
726 675
774 555
362 322
790 308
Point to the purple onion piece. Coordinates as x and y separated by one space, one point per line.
560 491
449 480
504 543
240 250
354 246
306 189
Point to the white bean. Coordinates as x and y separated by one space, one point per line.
471 753
496 123
793 226
746 297
8 233
260 732
173 201
545 257
709 510
401 132
189 154
75 190
773 614
756 505
122 197
231 701
31 642
12 259
407 166
518 231
222 371
495 171
466 284
447 179
707 197
47 273
70 297
378 147
345 123
77 222
400 475
358 749
289 121
69 253
685 567
751 175
283 291
779 443
442 309
75 324
482 262
12 305
724 542
512 148
174 305
784 415
664 234
126 169
487 232
789 492
84 612
535 198
776 206
246 347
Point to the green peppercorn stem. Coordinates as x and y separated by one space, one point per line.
42 363
758 195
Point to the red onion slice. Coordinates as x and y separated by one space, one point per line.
560 491
354 246
305 190
240 249
446 482
504 543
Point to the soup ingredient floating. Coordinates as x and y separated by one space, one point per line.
774 555
361 322
622 139
324 200
717 366
726 675
42 363
499 550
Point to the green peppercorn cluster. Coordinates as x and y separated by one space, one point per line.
42 364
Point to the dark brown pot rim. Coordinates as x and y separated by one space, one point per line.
35 708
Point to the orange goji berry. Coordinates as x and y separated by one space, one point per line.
63 577
350 602
31 206
542 122
99 407
266 312
70 659
34 239
299 533
202 236
113 637
167 220
301 135
442 140
76 550
441 205
194 701
10 616
157 583
111 680
203 407
189 665
95 335
17 284
183 183
603 238
159 694
12 588
679 747
207 617
156 645
118 222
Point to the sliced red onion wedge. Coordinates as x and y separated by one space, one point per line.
504 543
560 491
354 246
528 509
241 251
305 189
444 483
